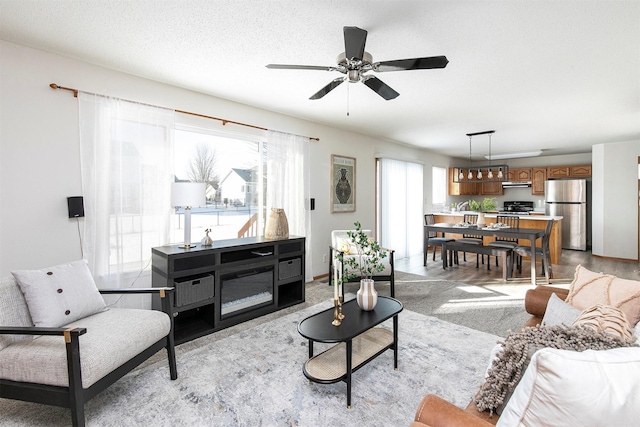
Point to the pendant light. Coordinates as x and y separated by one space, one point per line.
481 173
470 176
490 174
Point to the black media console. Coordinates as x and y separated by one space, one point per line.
230 282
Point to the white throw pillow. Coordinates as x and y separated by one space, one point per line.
569 388
60 295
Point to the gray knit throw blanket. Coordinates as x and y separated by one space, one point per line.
507 369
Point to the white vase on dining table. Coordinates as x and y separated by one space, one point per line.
481 222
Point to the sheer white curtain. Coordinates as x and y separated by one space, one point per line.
288 183
401 206
126 168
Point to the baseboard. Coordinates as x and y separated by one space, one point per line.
608 258
322 276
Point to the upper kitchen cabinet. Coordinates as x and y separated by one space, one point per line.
538 177
572 171
558 172
492 188
580 171
461 188
519 174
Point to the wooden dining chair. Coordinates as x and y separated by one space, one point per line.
433 239
512 221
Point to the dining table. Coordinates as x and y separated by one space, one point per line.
530 234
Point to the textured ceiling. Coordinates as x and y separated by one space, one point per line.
553 75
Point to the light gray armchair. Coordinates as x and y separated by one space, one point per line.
339 243
69 365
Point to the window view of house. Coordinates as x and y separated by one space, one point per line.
232 169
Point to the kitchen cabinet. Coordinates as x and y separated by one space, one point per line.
519 175
571 171
538 177
558 172
491 189
469 188
580 171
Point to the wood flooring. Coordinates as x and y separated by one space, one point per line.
563 272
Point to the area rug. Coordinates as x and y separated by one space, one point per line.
254 378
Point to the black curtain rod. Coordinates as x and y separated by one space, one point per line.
481 133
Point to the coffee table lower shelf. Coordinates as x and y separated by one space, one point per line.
330 366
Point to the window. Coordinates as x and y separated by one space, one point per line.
232 167
401 206
130 154
438 187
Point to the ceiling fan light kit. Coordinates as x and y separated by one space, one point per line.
354 62
501 171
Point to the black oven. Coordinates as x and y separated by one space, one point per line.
516 208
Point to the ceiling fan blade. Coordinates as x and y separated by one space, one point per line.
381 88
411 64
300 67
354 41
328 88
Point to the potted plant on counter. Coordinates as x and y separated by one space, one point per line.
488 204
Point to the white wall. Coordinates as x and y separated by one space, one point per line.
615 199
40 166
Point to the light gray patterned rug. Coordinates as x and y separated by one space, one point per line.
254 378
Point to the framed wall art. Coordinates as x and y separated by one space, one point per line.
343 184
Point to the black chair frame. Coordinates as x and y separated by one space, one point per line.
431 238
543 252
512 221
390 278
75 396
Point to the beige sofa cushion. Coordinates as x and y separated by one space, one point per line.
589 288
113 337
604 318
569 388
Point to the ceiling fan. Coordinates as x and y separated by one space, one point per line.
355 62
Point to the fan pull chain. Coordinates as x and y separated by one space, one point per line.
348 85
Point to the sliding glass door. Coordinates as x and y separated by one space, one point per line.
400 206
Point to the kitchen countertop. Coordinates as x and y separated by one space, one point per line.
493 215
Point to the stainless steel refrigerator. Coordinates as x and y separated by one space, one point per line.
568 198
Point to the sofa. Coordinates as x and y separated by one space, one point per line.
564 387
61 345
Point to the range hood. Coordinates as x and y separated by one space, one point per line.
521 184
